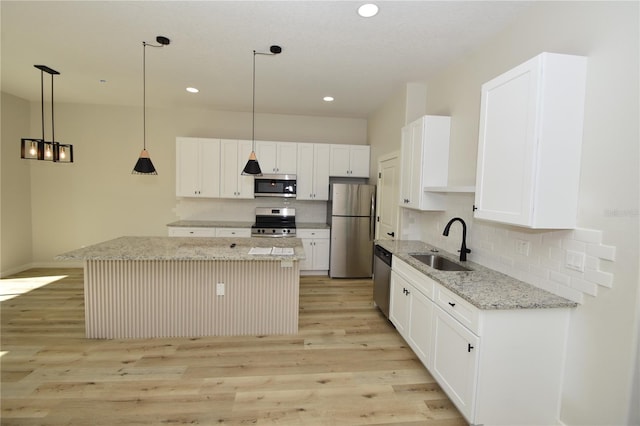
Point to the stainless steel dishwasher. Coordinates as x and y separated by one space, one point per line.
381 278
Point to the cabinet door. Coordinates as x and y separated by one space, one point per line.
321 254
245 183
187 160
399 303
339 161
321 158
287 157
405 168
266 152
233 156
420 326
455 361
305 175
506 146
359 161
209 166
307 264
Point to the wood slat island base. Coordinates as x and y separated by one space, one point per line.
189 287
142 299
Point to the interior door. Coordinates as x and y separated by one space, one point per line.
388 188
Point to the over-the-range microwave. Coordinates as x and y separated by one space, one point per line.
275 186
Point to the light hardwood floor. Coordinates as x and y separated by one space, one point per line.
346 366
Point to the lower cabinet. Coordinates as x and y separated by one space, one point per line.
316 249
201 231
499 367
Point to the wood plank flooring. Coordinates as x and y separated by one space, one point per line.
346 366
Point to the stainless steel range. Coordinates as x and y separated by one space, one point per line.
274 222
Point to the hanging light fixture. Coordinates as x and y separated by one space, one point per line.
41 149
144 166
253 167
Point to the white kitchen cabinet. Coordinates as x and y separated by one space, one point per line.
455 361
233 232
233 157
197 167
184 231
411 310
277 157
529 147
349 161
498 367
313 171
316 249
424 162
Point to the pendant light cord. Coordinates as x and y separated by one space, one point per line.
253 103
53 131
42 101
144 96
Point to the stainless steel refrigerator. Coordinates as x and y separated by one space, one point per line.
351 214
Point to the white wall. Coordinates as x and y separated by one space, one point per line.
15 204
97 198
602 361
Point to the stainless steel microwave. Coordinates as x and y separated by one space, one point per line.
275 186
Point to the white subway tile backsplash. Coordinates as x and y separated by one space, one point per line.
601 251
495 246
587 235
599 277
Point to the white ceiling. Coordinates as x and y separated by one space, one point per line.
327 50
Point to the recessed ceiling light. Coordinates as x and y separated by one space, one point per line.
368 10
192 90
328 99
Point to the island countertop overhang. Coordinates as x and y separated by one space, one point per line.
185 248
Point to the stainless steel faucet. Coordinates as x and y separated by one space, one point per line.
463 250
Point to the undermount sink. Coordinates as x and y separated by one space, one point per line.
438 262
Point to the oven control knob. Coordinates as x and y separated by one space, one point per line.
273 230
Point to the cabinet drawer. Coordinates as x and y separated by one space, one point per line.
233 232
458 308
420 281
175 231
313 233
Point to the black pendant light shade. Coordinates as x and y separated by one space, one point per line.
41 149
144 166
253 167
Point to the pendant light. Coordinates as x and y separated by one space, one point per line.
144 166
253 167
41 149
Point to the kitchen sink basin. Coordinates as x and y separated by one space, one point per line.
438 262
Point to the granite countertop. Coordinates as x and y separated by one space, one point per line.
312 225
184 248
210 224
482 287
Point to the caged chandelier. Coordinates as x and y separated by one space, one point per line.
41 149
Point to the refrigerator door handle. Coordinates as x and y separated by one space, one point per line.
372 217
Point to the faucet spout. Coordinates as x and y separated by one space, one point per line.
463 249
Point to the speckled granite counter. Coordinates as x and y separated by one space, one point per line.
312 225
184 248
209 224
482 287
143 287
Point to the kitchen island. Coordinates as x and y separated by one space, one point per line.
143 287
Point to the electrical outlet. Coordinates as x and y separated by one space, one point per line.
220 289
574 260
523 247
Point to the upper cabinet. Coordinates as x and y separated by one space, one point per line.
424 162
197 172
233 156
277 157
349 161
529 148
313 171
